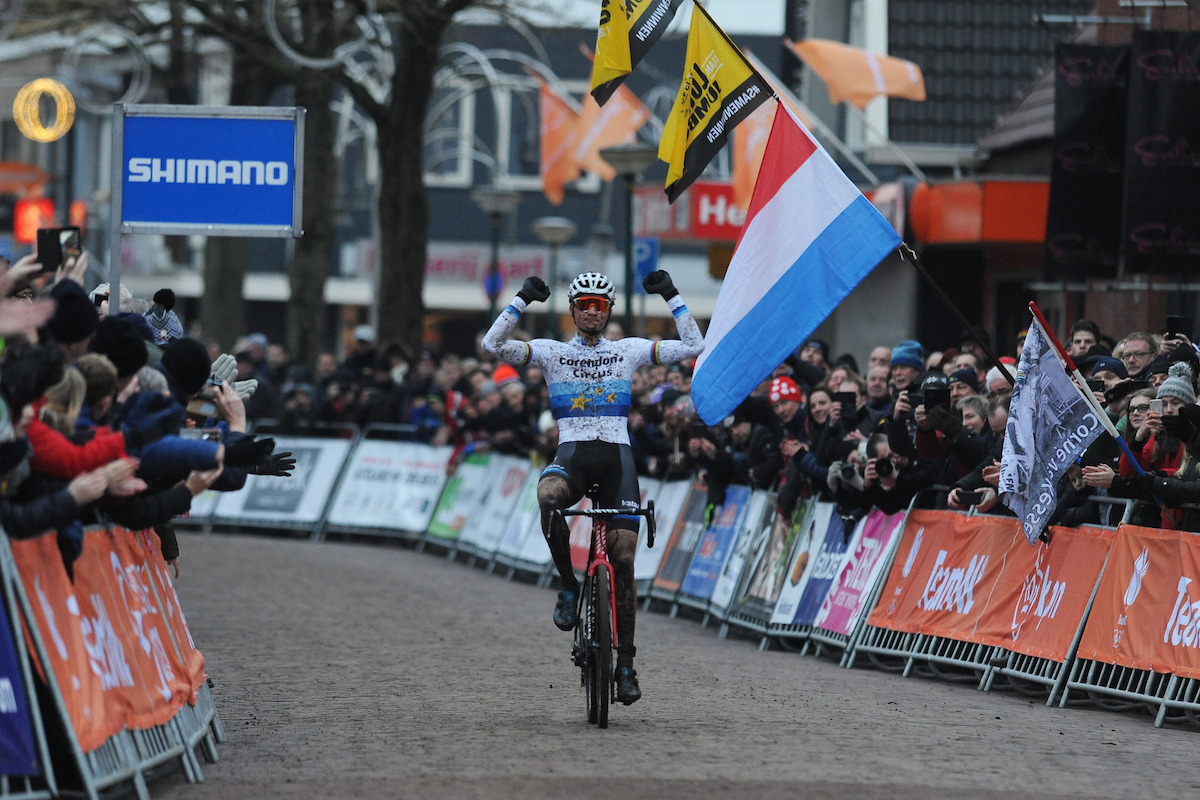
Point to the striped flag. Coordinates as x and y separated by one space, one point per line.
810 237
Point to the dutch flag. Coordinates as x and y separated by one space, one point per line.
810 237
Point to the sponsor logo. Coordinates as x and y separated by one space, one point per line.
1141 566
8 698
952 588
1040 597
912 552
1185 617
208 171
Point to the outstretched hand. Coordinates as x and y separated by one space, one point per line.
535 290
659 282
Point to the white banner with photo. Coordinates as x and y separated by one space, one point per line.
502 489
298 498
727 581
390 486
667 505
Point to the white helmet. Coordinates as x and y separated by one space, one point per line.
592 283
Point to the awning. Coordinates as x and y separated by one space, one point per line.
978 211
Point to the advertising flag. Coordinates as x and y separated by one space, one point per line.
627 31
17 753
617 123
719 90
859 76
1050 424
809 238
559 128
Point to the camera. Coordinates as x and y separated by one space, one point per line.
884 467
848 472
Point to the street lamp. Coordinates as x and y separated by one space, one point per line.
629 160
496 202
554 231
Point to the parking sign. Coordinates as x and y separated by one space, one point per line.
645 260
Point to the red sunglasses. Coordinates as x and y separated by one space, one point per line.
600 304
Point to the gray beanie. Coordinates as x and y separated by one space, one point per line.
1179 384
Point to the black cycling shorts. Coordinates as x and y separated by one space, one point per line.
606 465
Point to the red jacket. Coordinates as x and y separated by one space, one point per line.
55 454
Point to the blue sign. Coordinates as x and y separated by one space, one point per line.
17 753
718 540
828 564
645 260
213 171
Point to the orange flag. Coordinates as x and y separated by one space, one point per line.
616 123
559 131
858 76
749 145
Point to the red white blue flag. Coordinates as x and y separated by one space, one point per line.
810 237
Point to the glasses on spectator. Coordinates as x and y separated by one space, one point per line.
1130 354
1140 408
600 304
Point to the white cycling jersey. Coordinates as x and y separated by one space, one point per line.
591 387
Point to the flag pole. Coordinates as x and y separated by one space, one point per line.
907 253
1082 386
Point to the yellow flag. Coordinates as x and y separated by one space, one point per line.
719 90
628 29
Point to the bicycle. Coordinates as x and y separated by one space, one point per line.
596 632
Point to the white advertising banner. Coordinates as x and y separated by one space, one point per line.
727 582
298 498
486 525
391 486
667 505
524 523
804 559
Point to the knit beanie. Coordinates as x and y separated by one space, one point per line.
162 318
75 318
121 342
909 353
187 362
1179 384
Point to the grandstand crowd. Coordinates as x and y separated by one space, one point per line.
123 418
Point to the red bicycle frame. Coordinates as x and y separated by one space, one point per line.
599 560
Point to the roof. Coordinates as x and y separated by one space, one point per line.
1030 119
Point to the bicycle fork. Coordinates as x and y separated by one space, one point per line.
600 560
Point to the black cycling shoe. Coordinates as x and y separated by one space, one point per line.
565 616
628 691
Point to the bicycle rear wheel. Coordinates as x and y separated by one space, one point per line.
602 655
584 636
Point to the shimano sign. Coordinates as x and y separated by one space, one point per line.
209 170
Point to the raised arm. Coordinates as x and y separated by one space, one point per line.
691 342
496 341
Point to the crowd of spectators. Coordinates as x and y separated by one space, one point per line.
909 423
111 418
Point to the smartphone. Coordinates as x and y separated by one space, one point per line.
1095 384
936 397
848 400
916 399
56 245
1179 325
1156 406
970 498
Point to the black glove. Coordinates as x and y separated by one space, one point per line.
659 282
1180 427
946 420
534 290
246 451
141 430
278 464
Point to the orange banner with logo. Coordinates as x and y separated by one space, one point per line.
976 579
193 659
616 123
110 645
1147 611
559 126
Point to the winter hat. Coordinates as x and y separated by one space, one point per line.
1110 364
504 375
120 341
909 353
28 371
966 376
75 317
186 361
162 318
784 388
820 345
1179 384
140 325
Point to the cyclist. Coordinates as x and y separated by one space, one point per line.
590 393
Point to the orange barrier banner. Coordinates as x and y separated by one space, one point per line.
109 641
1144 616
976 579
193 659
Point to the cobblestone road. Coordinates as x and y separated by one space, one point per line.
349 670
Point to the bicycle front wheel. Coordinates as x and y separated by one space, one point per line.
584 636
602 654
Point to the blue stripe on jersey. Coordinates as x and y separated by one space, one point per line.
679 312
513 310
